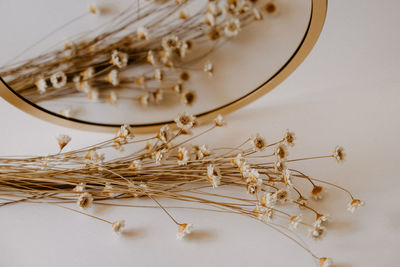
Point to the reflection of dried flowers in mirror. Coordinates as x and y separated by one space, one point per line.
144 54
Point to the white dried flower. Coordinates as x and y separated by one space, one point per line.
136 165
142 33
85 200
287 177
159 75
94 9
170 43
232 27
141 80
320 220
112 98
151 59
209 19
63 140
144 99
158 95
238 160
259 143
253 177
184 48
178 88
282 195
66 112
355 204
183 156
58 79
183 230
244 168
88 73
219 121
289 138
317 232
294 222
84 86
109 190
159 155
265 214
339 154
79 188
317 192
213 8
257 14
209 68
41 85
119 59
93 95
202 152
281 152
165 134
325 262
213 175
185 121
113 77
279 165
118 225
188 98
125 133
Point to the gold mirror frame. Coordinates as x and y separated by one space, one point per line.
317 20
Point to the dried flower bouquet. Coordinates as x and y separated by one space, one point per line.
253 178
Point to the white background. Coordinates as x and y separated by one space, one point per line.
346 92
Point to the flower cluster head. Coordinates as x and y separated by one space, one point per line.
213 175
232 27
185 122
125 133
118 225
202 152
219 121
63 140
339 154
164 134
325 262
317 232
136 165
183 230
183 156
41 85
281 152
58 79
113 77
259 143
142 33
289 138
119 59
85 200
317 192
295 221
354 205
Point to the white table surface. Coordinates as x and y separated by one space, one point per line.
347 92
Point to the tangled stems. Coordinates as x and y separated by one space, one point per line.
258 182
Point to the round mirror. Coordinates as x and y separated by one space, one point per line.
102 64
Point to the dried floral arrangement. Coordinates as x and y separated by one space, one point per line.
145 54
170 165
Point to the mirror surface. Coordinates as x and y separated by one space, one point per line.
67 60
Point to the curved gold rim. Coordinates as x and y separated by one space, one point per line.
317 20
